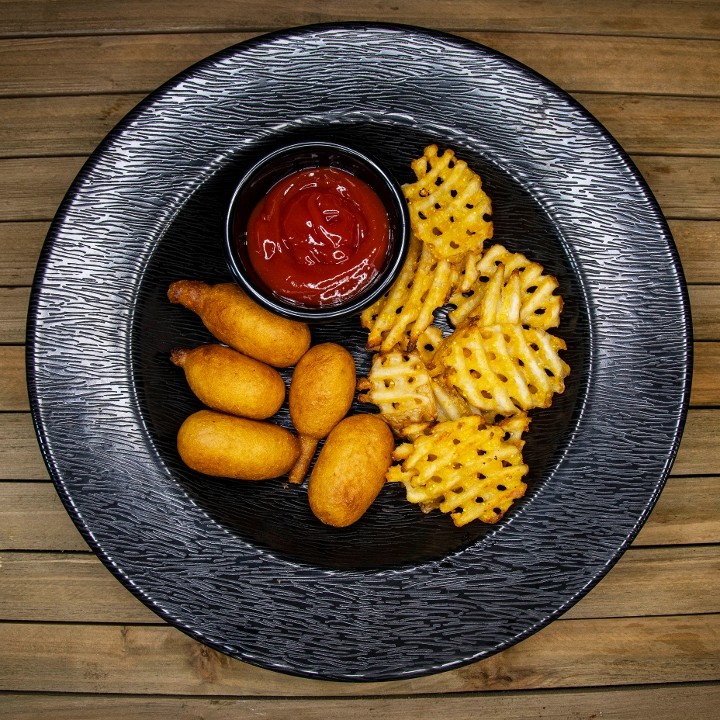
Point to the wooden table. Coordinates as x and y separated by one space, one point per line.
645 643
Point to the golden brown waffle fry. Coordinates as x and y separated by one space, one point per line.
503 368
465 468
449 210
399 318
536 302
450 404
398 383
429 342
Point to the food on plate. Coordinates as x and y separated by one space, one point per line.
536 298
234 319
451 392
449 210
350 470
319 237
450 217
503 368
224 445
321 393
465 468
400 385
400 316
463 349
228 381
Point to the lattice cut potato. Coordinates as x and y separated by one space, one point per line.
501 280
399 318
502 368
449 210
399 384
465 468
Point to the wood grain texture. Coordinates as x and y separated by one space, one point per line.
13 388
139 63
680 19
566 654
70 71
33 518
52 587
706 374
13 314
660 703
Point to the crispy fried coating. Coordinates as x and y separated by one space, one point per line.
449 210
399 318
501 281
350 470
399 384
234 319
503 368
321 393
223 445
465 468
228 381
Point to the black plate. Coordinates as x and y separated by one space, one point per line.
246 568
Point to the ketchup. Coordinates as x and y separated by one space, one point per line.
319 237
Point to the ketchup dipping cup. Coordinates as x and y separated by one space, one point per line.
316 231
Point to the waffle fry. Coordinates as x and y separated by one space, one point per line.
503 368
449 210
538 305
465 468
400 317
398 383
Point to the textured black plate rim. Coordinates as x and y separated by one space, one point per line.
76 513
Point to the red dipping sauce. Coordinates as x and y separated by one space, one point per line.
319 237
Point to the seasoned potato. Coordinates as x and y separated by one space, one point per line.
231 382
223 445
350 470
321 392
234 319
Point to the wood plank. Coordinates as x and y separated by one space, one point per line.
53 587
74 125
656 581
33 518
20 245
578 63
698 243
20 457
697 701
705 307
33 188
698 448
566 654
71 125
687 18
650 124
686 188
699 246
706 374
688 511
13 314
13 388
